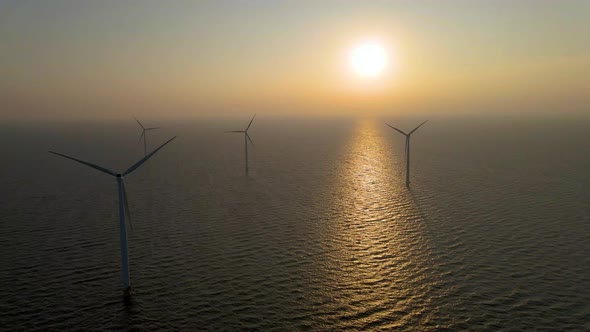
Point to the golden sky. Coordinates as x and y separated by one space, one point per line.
111 58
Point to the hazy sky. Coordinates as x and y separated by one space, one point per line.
108 58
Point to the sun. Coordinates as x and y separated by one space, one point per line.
368 59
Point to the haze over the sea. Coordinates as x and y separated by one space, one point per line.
109 59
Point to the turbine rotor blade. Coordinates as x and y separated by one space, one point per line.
144 159
102 169
406 150
126 204
139 123
417 127
141 136
396 129
153 128
248 136
249 124
235 131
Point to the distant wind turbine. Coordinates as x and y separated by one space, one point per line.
143 135
407 150
246 139
123 206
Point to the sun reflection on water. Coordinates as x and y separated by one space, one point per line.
379 273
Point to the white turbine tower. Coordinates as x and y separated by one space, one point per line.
407 150
246 139
123 206
143 135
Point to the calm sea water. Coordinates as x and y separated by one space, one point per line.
493 236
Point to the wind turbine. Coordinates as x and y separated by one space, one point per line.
407 150
143 135
123 207
246 139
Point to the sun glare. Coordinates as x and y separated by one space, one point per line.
368 59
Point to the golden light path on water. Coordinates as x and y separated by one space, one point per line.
381 273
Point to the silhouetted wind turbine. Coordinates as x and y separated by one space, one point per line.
407 150
143 135
246 139
123 206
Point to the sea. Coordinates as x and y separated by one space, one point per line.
320 235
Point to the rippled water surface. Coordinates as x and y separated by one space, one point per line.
323 235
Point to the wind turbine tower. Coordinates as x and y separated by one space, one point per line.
407 149
143 135
246 139
123 207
